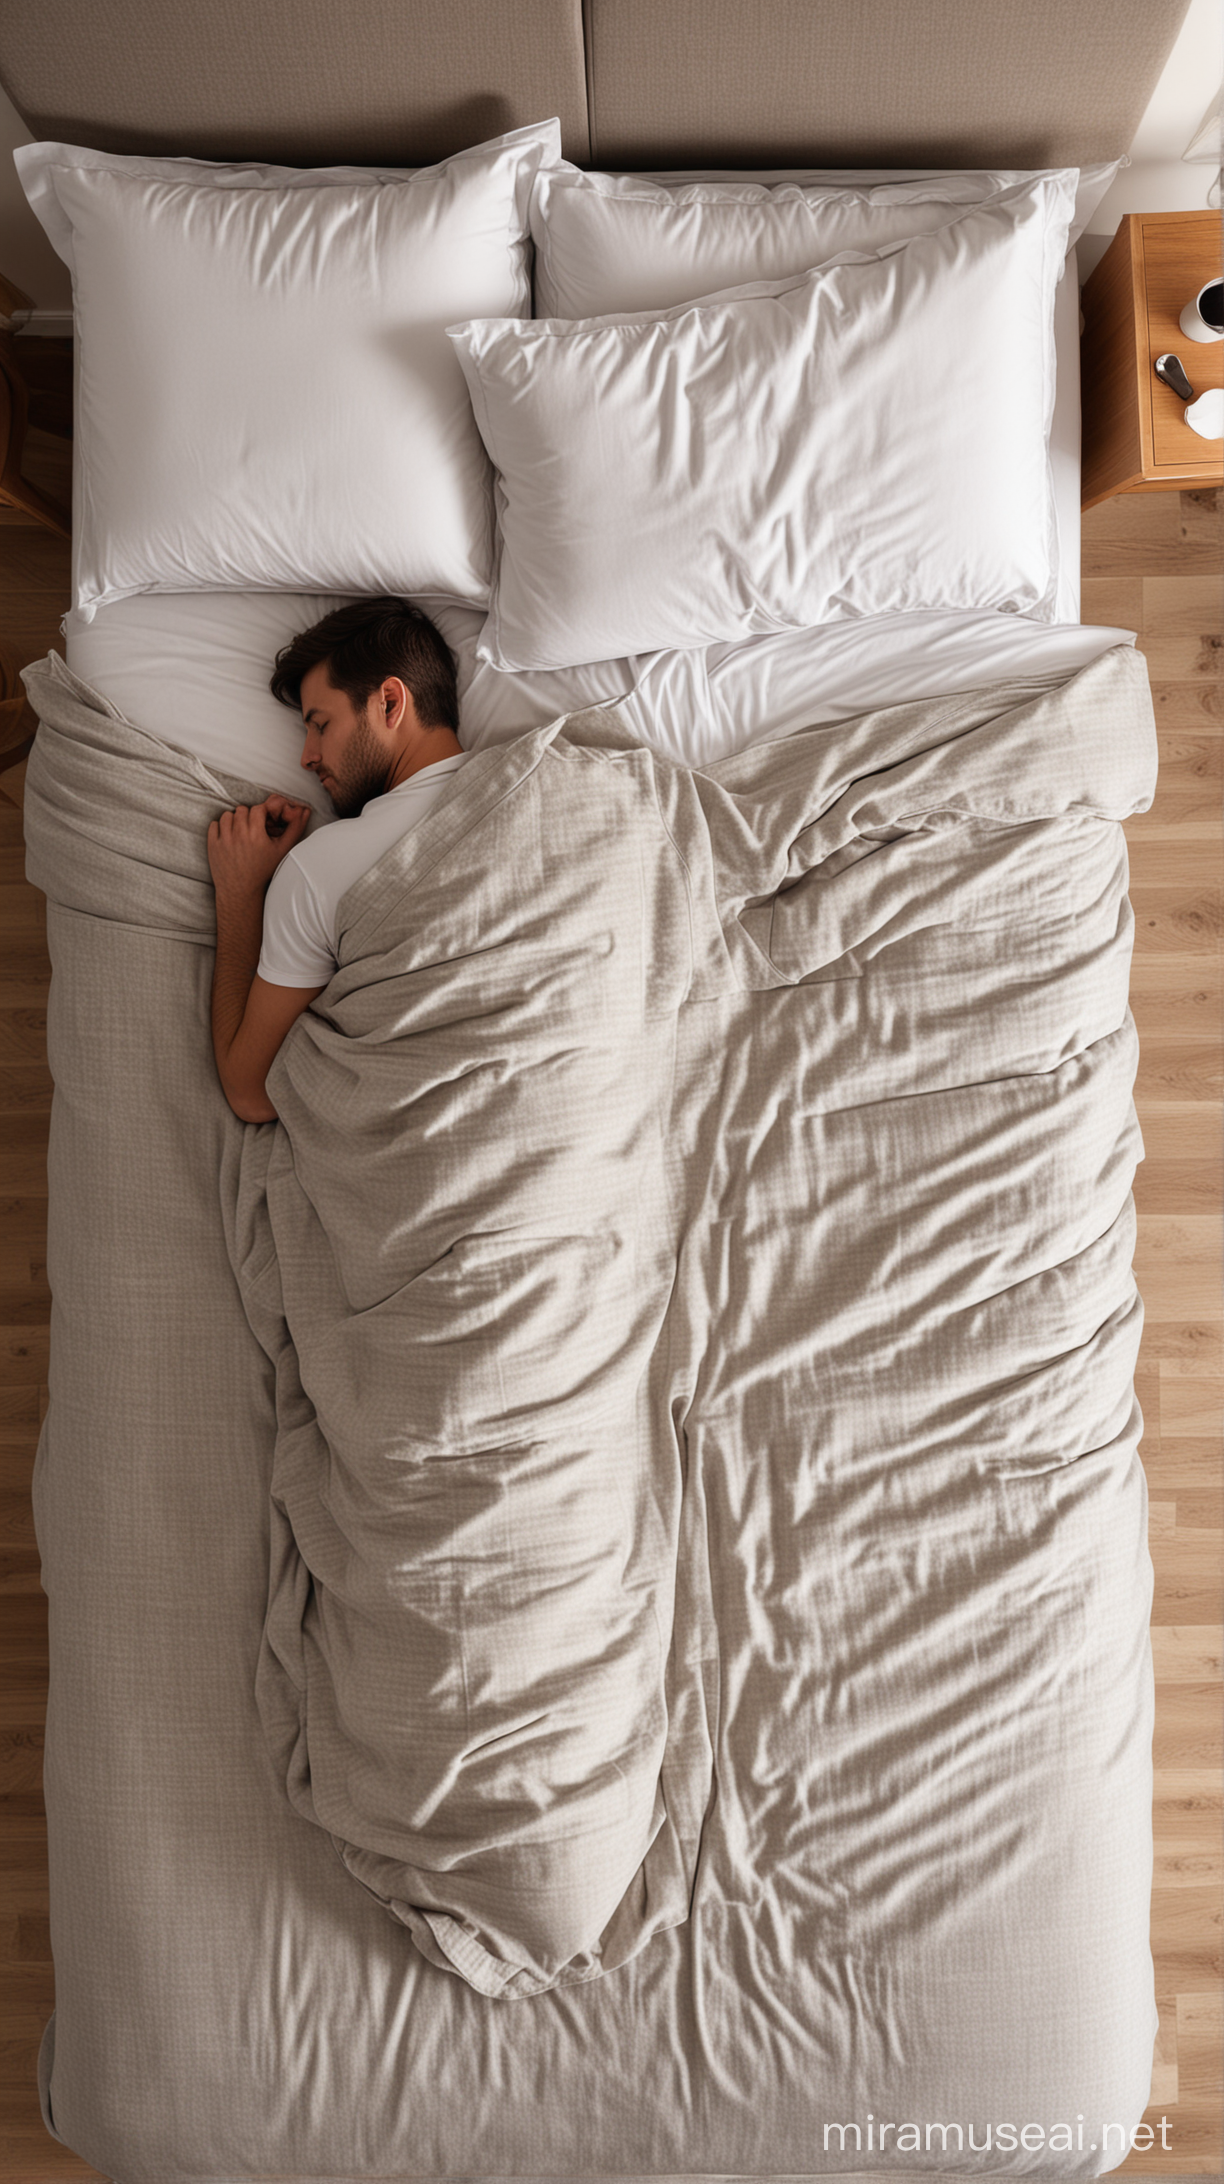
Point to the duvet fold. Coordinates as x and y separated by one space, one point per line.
490 1645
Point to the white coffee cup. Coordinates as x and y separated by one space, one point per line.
1206 416
1193 325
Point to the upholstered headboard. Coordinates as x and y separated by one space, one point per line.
636 83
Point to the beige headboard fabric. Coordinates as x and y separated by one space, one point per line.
866 83
306 82
636 83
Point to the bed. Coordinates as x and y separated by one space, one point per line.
597 1568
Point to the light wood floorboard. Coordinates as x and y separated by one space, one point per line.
1151 563
1154 563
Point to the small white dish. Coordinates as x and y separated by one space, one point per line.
1206 416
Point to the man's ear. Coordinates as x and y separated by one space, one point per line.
399 710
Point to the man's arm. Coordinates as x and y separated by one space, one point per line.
250 1018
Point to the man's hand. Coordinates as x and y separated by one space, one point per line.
246 845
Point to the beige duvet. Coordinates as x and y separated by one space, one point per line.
634 1475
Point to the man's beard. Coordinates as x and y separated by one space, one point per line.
364 775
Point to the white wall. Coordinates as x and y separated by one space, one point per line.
1156 180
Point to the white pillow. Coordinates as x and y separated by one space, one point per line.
868 438
266 396
608 243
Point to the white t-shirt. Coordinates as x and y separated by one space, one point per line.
308 886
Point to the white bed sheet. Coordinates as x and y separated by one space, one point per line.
194 670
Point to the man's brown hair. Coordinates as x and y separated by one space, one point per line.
365 643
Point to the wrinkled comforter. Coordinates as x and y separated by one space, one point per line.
640 1460
761 1134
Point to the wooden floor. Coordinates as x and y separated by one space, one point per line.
1152 563
1155 563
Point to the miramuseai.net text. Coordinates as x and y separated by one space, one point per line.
1082 2136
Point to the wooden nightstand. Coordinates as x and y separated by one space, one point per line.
35 389
1135 438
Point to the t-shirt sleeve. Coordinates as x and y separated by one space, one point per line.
297 946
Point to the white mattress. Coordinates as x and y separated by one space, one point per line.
193 667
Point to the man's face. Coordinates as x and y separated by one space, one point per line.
348 750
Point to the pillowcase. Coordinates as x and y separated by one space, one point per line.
867 438
266 396
608 243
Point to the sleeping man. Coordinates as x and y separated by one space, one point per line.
375 683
